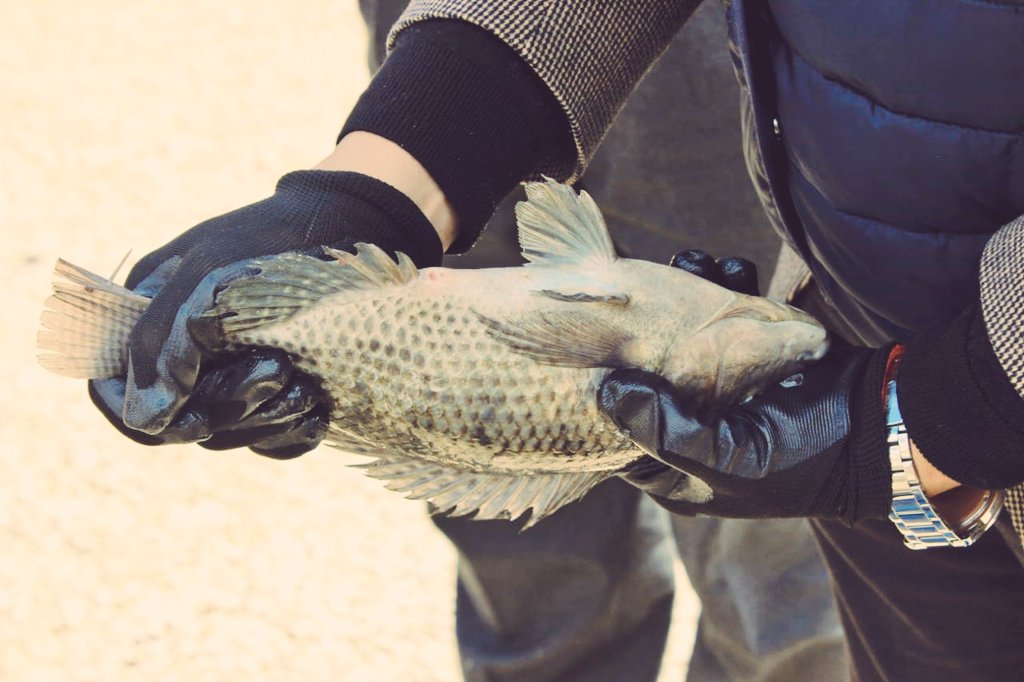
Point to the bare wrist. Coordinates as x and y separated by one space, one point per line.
380 158
933 481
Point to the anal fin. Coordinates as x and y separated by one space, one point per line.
558 227
460 492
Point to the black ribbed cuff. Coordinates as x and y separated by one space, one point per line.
870 474
469 109
959 405
390 219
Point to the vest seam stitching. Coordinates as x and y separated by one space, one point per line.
878 221
1017 134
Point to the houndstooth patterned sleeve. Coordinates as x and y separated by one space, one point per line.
590 54
1002 307
1002 299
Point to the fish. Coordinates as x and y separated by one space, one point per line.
475 390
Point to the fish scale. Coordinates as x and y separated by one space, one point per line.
474 393
476 389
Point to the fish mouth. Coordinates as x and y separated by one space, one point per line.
815 354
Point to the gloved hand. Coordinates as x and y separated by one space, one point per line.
177 389
810 448
253 397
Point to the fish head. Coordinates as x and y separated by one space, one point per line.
748 345
621 312
717 346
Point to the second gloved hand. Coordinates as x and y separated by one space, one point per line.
813 448
816 449
166 396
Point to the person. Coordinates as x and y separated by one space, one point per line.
882 143
765 615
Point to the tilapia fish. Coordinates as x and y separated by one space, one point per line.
475 389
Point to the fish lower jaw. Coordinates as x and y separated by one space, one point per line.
818 353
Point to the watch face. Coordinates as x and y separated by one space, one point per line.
962 508
984 517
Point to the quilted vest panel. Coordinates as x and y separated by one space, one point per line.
889 137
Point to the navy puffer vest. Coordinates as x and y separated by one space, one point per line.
886 140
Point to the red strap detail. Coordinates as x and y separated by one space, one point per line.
891 367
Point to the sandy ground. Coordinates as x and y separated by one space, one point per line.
122 125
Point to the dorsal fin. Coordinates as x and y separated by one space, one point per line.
289 282
559 227
375 266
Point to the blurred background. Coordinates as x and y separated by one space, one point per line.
122 125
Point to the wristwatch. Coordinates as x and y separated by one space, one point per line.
915 517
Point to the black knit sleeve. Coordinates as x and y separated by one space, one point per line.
469 109
960 407
961 388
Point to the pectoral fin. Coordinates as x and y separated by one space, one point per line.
567 339
611 298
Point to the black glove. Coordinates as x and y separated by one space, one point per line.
177 389
812 447
737 274
816 449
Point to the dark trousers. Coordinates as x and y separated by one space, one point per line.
935 614
587 594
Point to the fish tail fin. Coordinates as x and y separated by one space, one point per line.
289 282
86 325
